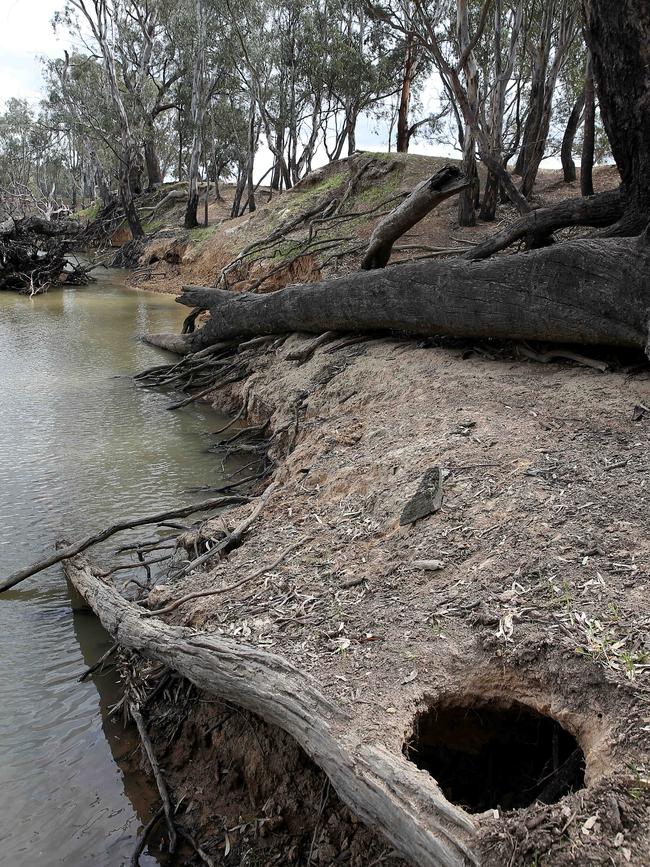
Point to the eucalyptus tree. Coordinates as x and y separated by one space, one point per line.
456 34
556 27
78 101
153 53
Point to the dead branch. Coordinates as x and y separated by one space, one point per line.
233 538
425 197
125 524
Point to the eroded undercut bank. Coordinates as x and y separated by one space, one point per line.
495 754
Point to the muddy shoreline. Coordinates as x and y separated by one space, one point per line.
540 599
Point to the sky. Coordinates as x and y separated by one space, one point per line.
25 35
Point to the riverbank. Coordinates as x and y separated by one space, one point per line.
521 600
455 552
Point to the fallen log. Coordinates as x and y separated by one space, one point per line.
537 226
583 291
424 198
384 789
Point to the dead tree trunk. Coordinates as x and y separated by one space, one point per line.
566 153
586 291
424 198
383 789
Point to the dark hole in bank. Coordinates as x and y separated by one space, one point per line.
488 755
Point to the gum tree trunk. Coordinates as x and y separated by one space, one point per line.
587 160
566 153
618 35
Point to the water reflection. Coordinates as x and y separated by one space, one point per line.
81 446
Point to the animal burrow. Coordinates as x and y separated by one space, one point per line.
487 754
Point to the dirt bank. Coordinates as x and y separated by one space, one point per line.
536 604
364 186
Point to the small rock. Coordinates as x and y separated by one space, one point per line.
429 565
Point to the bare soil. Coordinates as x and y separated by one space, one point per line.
541 598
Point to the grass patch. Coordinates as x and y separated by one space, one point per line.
202 233
91 212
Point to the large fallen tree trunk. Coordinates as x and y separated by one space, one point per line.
425 197
589 292
384 790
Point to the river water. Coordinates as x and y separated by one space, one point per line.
80 446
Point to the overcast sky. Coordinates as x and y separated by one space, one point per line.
25 35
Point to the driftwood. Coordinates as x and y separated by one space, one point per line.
425 197
383 788
33 254
128 523
583 291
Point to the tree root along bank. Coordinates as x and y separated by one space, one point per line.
383 789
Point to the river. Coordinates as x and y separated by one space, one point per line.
80 446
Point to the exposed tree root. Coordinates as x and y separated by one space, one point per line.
134 710
537 226
384 790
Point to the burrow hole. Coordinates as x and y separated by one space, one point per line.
491 754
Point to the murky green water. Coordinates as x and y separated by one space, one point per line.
80 445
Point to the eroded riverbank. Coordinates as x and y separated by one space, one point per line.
537 601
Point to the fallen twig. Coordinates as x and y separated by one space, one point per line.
157 612
126 524
155 767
